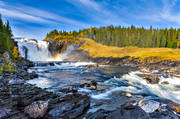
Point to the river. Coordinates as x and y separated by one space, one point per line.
113 82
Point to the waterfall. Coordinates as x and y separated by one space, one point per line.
37 50
34 50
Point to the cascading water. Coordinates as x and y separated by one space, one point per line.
54 76
34 50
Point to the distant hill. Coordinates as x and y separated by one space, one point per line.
122 37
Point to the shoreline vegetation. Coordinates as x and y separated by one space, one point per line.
9 54
88 42
98 50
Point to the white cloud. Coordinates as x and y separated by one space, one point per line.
36 15
20 15
167 14
98 11
164 13
91 3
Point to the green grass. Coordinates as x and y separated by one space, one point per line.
99 50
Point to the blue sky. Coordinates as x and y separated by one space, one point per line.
35 18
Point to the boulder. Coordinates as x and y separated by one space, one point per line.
174 106
92 85
33 75
16 82
129 95
11 113
152 79
4 112
163 115
129 112
165 82
68 89
149 106
126 111
69 107
36 109
145 70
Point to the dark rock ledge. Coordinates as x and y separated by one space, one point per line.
20 100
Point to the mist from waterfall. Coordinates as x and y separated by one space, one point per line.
34 50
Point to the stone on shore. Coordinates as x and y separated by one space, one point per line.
149 106
124 112
36 109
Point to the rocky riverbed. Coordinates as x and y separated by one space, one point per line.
20 99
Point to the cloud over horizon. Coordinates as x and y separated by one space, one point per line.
35 18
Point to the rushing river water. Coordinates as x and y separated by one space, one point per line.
112 82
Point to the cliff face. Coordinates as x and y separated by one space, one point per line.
68 51
56 47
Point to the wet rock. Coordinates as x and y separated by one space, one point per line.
145 70
4 112
102 87
149 106
69 106
33 75
16 82
92 67
174 106
51 64
129 95
163 115
124 112
163 108
68 89
165 82
129 112
152 79
92 85
99 114
36 109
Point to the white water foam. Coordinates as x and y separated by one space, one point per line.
137 84
41 82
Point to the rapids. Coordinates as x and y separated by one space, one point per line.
112 81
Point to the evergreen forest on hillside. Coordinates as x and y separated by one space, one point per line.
122 36
6 41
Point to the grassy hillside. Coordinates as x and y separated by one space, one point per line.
99 50
96 49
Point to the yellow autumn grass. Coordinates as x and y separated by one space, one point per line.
99 50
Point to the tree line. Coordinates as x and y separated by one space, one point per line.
130 36
6 42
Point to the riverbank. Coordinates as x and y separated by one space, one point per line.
23 100
19 99
145 59
75 92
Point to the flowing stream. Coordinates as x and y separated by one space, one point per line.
112 81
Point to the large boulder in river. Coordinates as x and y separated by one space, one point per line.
36 109
124 112
152 79
68 107
149 106
174 106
